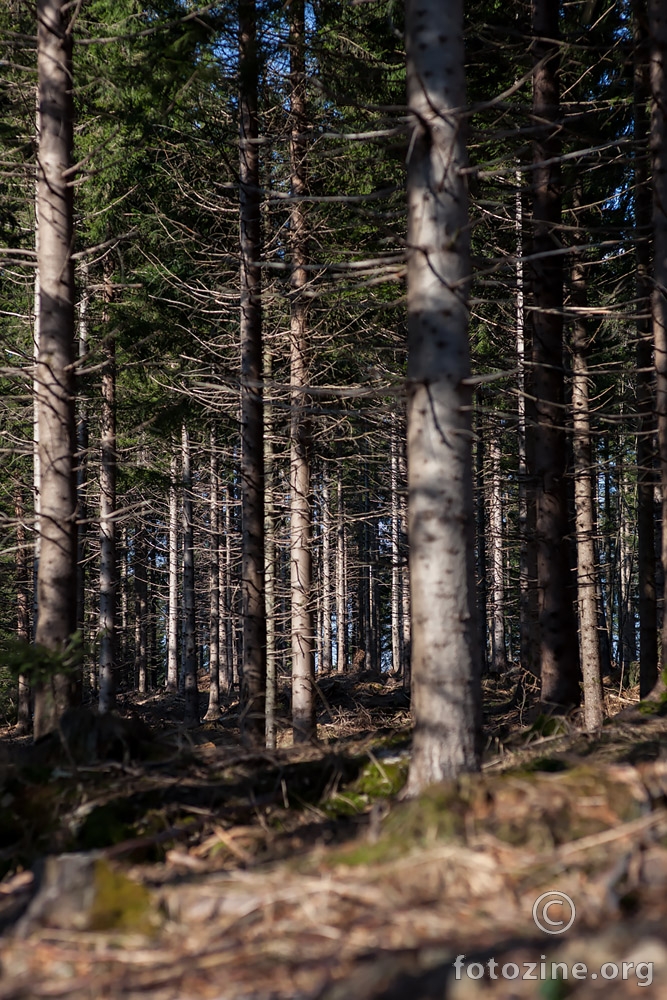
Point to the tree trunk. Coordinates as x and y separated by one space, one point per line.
108 581
396 592
584 479
55 391
213 711
480 537
24 720
252 431
303 667
326 662
658 57
648 619
172 607
82 441
341 589
189 632
559 652
446 682
140 609
498 643
270 561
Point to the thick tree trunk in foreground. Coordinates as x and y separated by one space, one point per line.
658 63
252 446
559 651
55 396
303 667
446 684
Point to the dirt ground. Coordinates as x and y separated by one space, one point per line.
188 867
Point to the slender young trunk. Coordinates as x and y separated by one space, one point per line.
498 641
559 652
55 391
23 721
584 478
269 557
446 682
172 608
481 535
213 711
396 593
189 633
252 430
140 609
303 668
341 590
325 665
108 581
648 618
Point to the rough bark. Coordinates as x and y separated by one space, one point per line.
189 634
55 397
559 651
108 572
648 620
172 607
658 142
446 682
252 431
584 479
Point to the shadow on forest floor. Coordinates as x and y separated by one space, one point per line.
193 867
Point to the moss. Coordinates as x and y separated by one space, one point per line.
119 903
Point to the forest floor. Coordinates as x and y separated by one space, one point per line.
193 868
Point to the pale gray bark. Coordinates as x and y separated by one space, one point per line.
213 711
341 588
446 682
108 581
252 430
303 665
172 606
55 397
189 636
498 641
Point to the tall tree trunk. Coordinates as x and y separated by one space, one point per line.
658 63
559 651
446 681
189 632
252 431
584 478
303 667
498 642
396 592
55 391
270 560
325 663
23 721
341 580
108 571
648 620
213 711
140 609
172 606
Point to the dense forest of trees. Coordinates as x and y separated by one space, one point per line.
283 286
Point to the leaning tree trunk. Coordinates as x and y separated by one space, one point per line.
252 431
559 651
658 63
646 556
446 681
55 392
189 635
